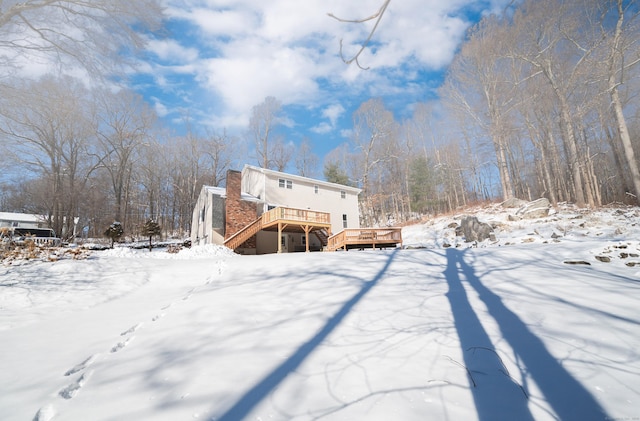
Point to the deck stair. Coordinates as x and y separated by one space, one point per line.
323 236
282 219
244 234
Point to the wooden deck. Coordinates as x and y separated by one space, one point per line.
307 221
361 238
283 219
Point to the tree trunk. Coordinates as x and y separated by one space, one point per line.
625 139
621 122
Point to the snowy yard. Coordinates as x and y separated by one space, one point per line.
505 331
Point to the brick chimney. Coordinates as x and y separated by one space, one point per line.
239 213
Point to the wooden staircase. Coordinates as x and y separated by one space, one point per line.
283 219
323 236
244 234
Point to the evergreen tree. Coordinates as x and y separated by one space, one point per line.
334 174
421 184
150 229
114 232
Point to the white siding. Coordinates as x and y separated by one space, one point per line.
202 224
302 195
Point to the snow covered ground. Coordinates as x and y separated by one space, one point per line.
542 324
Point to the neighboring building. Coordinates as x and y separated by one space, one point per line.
308 212
22 220
19 226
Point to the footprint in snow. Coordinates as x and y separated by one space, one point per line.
73 389
131 329
86 363
117 347
166 307
186 297
46 413
157 317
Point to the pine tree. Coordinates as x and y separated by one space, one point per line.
114 232
150 229
334 174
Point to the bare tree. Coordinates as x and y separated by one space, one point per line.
264 117
220 152
49 126
558 47
373 133
281 153
187 174
125 124
622 56
479 85
151 171
95 35
306 160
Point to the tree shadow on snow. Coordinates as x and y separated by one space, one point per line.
243 406
496 395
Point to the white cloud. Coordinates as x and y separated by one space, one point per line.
171 51
246 50
160 108
322 128
333 112
226 23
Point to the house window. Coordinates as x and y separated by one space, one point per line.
343 194
304 240
344 220
282 183
316 189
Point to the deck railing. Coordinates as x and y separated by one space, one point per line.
365 237
274 216
298 215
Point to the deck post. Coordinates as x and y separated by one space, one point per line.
279 237
307 230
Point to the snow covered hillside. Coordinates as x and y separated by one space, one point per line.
540 324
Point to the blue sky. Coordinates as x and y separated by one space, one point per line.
222 57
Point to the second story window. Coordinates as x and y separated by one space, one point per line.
282 183
343 194
316 189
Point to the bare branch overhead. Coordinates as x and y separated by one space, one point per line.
377 17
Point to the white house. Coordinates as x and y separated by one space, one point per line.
275 189
308 212
22 220
19 225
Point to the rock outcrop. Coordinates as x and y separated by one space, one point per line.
533 210
474 230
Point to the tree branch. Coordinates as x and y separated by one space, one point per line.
377 16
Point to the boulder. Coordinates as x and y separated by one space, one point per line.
474 230
536 209
513 203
